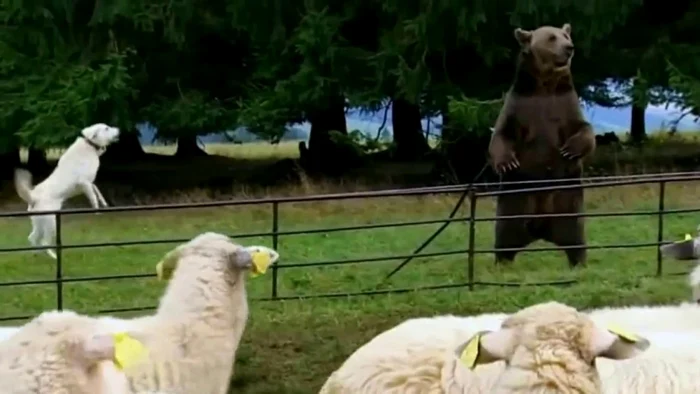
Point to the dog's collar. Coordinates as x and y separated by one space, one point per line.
91 143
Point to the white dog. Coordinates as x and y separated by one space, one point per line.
74 174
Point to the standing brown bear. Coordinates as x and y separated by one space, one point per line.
541 134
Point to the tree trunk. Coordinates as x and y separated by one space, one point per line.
187 147
325 120
408 132
36 160
637 123
322 153
463 153
128 148
8 162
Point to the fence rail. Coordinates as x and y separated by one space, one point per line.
474 192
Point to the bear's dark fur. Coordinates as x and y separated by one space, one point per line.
540 135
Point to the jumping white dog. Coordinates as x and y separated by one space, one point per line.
74 174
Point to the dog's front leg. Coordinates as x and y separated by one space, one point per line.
89 192
99 195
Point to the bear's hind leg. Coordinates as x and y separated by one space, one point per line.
569 232
510 234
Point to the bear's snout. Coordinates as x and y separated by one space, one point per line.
569 50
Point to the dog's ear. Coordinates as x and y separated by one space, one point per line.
89 132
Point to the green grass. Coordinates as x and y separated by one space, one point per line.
260 150
292 346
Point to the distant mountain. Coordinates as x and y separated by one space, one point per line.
603 120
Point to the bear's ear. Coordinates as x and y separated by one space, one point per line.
523 36
566 28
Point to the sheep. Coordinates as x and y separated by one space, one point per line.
193 337
681 318
113 323
6 332
64 352
549 348
204 310
410 356
427 363
688 249
414 346
56 352
407 358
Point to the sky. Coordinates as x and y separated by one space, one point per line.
603 120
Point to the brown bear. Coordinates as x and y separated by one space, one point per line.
541 134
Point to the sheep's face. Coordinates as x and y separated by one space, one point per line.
59 348
218 247
550 334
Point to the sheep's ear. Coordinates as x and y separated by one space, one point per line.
485 347
255 258
523 36
616 343
124 349
95 349
166 267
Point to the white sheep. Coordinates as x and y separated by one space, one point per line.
201 316
546 352
411 351
417 356
549 348
688 249
56 352
193 337
410 357
683 317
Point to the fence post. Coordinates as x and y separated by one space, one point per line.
275 240
472 226
59 265
660 233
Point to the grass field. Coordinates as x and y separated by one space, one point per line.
250 150
261 150
292 346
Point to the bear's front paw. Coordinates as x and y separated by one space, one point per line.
569 153
506 164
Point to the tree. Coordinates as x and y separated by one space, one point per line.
61 70
194 79
655 33
305 70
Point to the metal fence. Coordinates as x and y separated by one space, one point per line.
469 192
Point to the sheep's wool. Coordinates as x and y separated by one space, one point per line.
51 354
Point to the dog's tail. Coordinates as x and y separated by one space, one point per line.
23 184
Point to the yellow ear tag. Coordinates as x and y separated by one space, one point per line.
159 270
471 352
261 261
622 333
127 350
164 272
687 238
